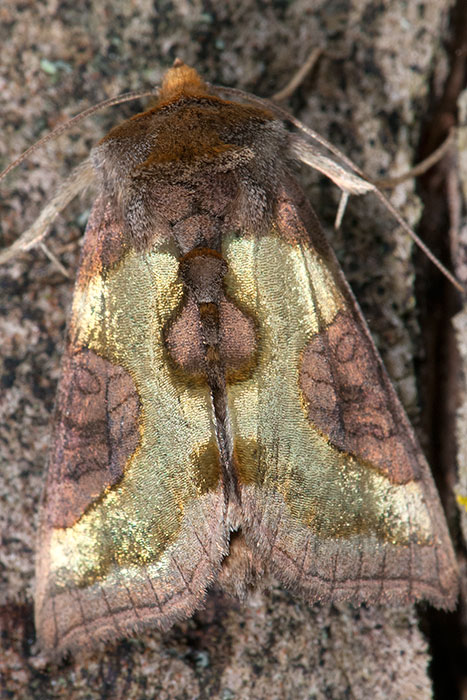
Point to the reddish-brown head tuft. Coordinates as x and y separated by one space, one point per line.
181 80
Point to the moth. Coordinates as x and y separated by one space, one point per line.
222 409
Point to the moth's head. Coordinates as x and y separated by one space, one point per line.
181 80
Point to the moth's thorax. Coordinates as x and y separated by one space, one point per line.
192 153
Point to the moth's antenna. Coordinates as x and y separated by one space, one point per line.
61 128
286 116
80 178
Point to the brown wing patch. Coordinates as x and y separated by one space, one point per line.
347 399
203 271
96 432
105 242
237 340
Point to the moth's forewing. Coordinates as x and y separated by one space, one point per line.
336 493
219 376
133 522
